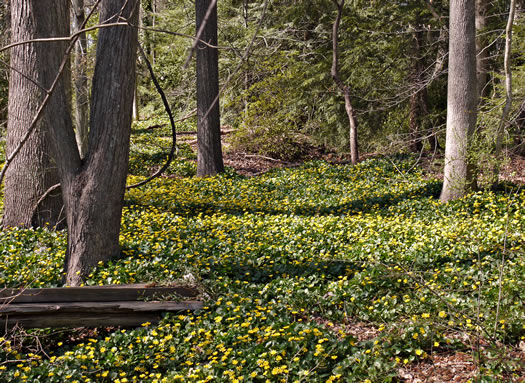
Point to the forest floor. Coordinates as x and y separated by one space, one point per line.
458 367
312 271
254 164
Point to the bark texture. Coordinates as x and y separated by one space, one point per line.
519 140
461 100
33 171
209 150
345 89
81 80
93 187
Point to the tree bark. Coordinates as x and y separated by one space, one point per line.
81 81
209 150
461 100
93 187
33 170
345 90
519 141
482 53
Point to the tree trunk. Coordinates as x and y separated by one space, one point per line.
33 171
417 97
93 188
461 100
482 53
209 151
81 81
246 64
345 90
5 24
354 150
519 141
442 53
508 81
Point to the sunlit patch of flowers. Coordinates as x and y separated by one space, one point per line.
277 253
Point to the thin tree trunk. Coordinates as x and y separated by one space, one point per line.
508 79
462 99
482 53
519 141
33 171
246 65
209 150
153 25
81 81
438 70
416 98
345 90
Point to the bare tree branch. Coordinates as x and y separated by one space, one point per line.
158 30
173 149
73 36
24 76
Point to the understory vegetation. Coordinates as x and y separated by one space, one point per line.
318 273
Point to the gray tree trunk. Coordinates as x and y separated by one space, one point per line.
345 90
519 140
81 81
93 188
33 171
482 53
462 99
209 150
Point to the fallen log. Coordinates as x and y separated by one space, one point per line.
90 314
93 306
108 293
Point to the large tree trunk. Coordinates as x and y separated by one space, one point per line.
33 171
462 99
93 188
209 151
345 90
5 24
81 80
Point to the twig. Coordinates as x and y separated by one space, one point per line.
43 197
72 37
158 30
24 76
265 158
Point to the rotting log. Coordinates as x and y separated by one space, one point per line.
90 314
107 293
93 306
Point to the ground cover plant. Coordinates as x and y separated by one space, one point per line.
319 273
